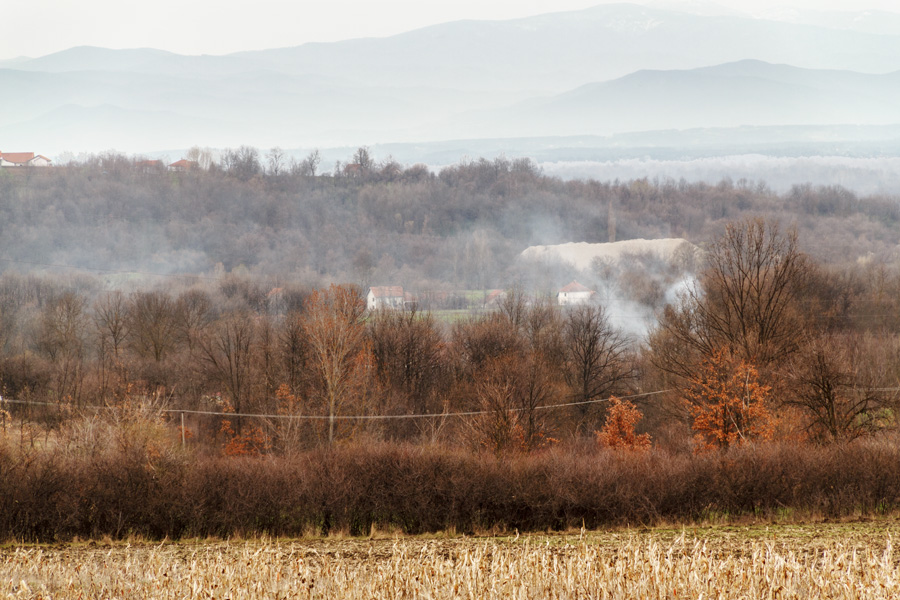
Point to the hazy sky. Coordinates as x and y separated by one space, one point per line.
223 26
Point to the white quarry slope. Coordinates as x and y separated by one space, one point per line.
582 254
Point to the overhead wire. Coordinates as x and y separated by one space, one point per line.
348 417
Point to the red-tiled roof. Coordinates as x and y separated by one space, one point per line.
495 296
184 164
574 287
387 291
17 157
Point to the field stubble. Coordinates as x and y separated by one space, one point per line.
825 560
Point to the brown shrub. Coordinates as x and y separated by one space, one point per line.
106 488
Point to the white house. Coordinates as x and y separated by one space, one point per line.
574 294
386 296
23 159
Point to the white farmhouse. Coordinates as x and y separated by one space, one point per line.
574 294
23 159
386 296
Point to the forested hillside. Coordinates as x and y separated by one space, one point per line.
385 223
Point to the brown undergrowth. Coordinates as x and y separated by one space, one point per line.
125 479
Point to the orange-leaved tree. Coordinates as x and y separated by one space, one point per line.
728 403
251 442
618 430
248 441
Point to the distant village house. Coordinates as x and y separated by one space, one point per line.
494 298
574 294
23 159
183 165
389 297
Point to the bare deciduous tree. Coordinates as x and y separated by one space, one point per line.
293 351
110 320
309 166
476 341
746 301
755 277
845 384
363 158
61 338
339 353
598 362
275 158
407 347
111 324
242 163
227 351
514 306
152 323
195 313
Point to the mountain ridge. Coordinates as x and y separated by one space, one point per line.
602 70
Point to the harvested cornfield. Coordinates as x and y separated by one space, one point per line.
801 562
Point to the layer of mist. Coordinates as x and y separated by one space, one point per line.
633 279
872 175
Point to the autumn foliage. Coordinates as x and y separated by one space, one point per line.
250 442
727 403
618 431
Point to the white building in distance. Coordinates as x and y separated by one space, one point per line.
574 294
23 159
385 297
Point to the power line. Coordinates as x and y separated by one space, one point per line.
378 417
351 417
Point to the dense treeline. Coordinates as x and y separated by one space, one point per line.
125 384
765 343
313 354
381 223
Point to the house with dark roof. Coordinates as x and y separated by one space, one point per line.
574 294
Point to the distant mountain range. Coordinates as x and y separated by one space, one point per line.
602 71
745 93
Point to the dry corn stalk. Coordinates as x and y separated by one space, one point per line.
641 567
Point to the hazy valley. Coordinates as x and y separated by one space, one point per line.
611 267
